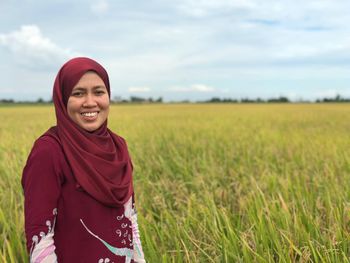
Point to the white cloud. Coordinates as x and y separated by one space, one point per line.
99 7
139 89
201 8
192 88
32 49
201 88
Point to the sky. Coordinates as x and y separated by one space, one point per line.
180 49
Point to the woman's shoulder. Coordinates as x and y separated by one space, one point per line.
44 161
48 144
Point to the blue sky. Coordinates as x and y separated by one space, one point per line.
180 49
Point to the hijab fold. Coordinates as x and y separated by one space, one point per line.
99 160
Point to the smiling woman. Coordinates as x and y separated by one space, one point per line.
78 187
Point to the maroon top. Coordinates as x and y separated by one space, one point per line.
51 192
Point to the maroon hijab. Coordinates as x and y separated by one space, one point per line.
99 160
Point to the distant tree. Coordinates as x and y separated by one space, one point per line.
247 100
214 100
229 100
279 100
136 99
7 101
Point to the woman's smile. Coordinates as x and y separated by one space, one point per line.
90 116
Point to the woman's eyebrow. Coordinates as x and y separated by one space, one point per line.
79 88
98 87
83 89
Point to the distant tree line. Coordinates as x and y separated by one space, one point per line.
281 99
248 100
337 98
133 99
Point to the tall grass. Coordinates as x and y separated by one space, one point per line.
214 183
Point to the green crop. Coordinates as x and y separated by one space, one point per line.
213 183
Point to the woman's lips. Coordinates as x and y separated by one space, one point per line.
89 116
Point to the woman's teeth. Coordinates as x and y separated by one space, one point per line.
89 114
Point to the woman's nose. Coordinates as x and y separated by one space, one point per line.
89 101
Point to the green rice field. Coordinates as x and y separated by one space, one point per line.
213 182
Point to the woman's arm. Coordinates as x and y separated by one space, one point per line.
130 213
41 183
138 252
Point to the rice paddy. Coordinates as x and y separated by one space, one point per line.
213 182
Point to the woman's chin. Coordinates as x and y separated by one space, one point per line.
89 127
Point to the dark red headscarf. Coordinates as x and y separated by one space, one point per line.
99 160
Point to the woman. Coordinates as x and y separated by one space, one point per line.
79 201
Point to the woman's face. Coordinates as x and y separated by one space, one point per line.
88 104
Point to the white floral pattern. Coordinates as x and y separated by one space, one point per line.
43 250
129 233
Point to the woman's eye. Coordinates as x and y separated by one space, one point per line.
100 92
77 94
